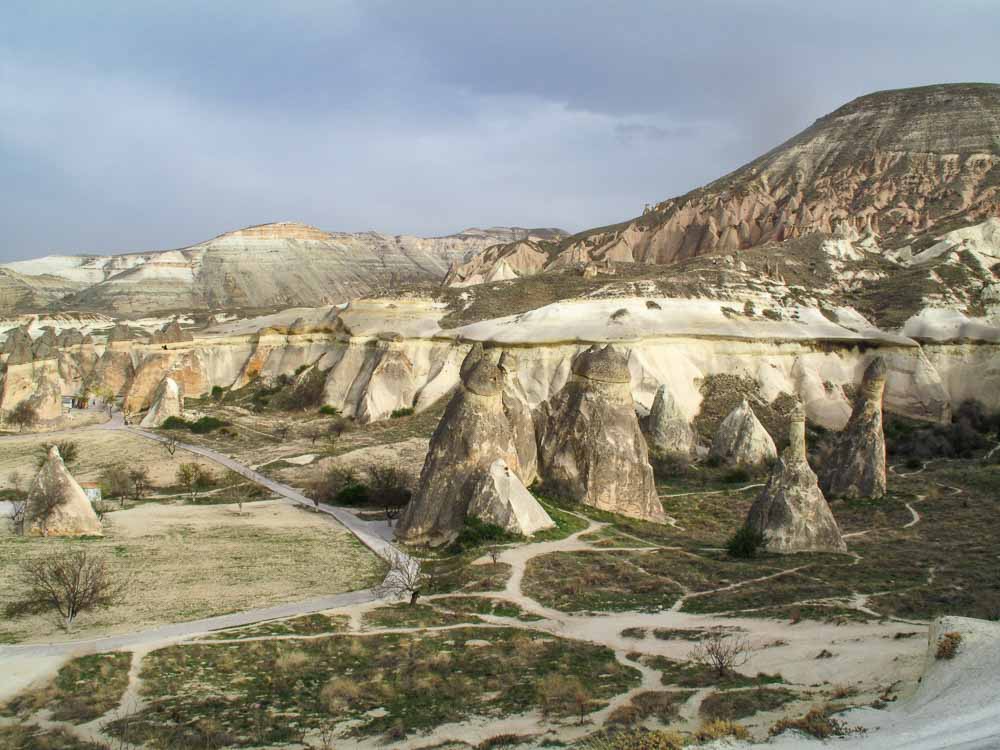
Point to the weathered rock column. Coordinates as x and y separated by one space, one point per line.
791 512
590 447
856 467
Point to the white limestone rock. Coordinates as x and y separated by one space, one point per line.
742 440
501 499
668 429
168 401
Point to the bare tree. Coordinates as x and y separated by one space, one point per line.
405 578
116 482
721 652
281 431
68 452
139 478
387 487
44 503
18 512
337 427
171 446
23 415
71 583
187 477
233 482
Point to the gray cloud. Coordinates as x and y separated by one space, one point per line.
140 125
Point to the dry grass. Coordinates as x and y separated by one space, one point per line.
948 645
190 562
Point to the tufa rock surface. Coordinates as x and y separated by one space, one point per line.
856 467
515 406
57 505
473 434
590 447
501 499
791 512
741 439
666 426
168 401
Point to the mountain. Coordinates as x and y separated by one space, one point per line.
897 163
271 265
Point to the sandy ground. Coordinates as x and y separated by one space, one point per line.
97 449
188 562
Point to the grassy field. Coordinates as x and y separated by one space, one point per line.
393 685
186 562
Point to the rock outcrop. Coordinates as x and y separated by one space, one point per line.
168 401
856 467
57 505
891 162
515 406
666 426
590 446
791 512
501 499
741 439
472 435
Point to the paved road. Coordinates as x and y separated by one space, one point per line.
376 536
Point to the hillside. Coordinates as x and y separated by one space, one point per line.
271 265
900 163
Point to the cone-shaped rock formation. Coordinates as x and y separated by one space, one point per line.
668 430
473 433
791 512
856 468
168 401
590 447
742 440
57 505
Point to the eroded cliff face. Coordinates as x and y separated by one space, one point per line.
893 162
380 355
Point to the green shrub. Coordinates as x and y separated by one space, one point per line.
175 423
217 393
330 411
405 412
206 425
476 533
353 494
667 465
737 475
745 543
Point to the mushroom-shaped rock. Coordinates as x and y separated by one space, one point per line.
590 446
515 406
168 401
70 337
501 499
57 505
16 337
473 433
668 430
856 467
791 512
742 440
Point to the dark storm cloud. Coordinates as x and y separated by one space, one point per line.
130 125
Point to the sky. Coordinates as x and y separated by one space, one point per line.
149 125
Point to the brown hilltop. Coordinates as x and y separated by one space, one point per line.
900 162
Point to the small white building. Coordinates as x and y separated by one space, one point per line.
92 490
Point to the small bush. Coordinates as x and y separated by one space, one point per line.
948 645
217 393
206 425
817 723
476 533
330 411
737 475
327 488
745 543
353 494
340 693
175 423
639 739
562 696
669 465
404 412
720 729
